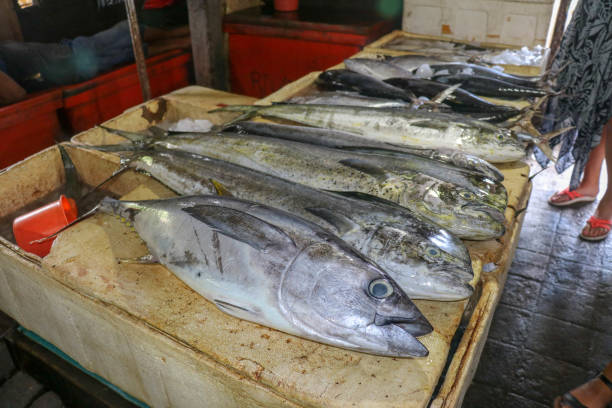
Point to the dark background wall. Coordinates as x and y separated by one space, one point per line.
52 20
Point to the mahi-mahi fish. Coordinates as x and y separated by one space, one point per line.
345 140
401 127
464 213
270 267
425 260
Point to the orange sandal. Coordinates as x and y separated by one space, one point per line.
573 198
595 222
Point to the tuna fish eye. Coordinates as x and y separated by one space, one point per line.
467 195
433 252
380 288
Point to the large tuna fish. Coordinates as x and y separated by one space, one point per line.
270 267
426 261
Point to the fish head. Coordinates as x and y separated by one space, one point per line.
332 290
466 212
492 192
503 144
426 265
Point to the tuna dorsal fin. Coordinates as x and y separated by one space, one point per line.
340 222
241 226
220 189
365 167
430 124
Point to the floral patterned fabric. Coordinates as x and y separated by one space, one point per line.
584 66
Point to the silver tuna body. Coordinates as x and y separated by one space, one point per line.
275 269
426 261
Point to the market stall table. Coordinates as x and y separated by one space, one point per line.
142 329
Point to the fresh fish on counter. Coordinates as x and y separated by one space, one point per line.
375 68
348 99
402 127
270 267
345 80
426 261
452 68
486 86
463 212
460 99
350 141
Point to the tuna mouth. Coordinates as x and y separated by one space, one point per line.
418 326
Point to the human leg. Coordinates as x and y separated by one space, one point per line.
600 227
589 186
596 393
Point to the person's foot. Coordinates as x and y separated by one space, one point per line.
593 394
599 225
567 197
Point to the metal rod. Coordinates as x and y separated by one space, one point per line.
141 63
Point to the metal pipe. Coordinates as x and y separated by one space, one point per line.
141 63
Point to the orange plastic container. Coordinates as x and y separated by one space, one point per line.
41 223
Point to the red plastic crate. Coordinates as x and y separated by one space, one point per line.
92 102
29 126
268 49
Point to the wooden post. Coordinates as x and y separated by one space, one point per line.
208 42
9 24
557 36
141 62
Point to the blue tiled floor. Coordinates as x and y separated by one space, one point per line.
553 327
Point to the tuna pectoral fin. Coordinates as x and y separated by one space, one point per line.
441 97
241 226
220 189
365 167
342 224
235 310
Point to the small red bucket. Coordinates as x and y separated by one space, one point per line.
41 223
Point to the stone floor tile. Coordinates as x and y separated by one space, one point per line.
510 325
542 378
7 366
529 264
543 219
19 391
499 364
602 350
536 240
521 292
482 395
573 248
577 276
570 305
560 340
603 307
48 400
